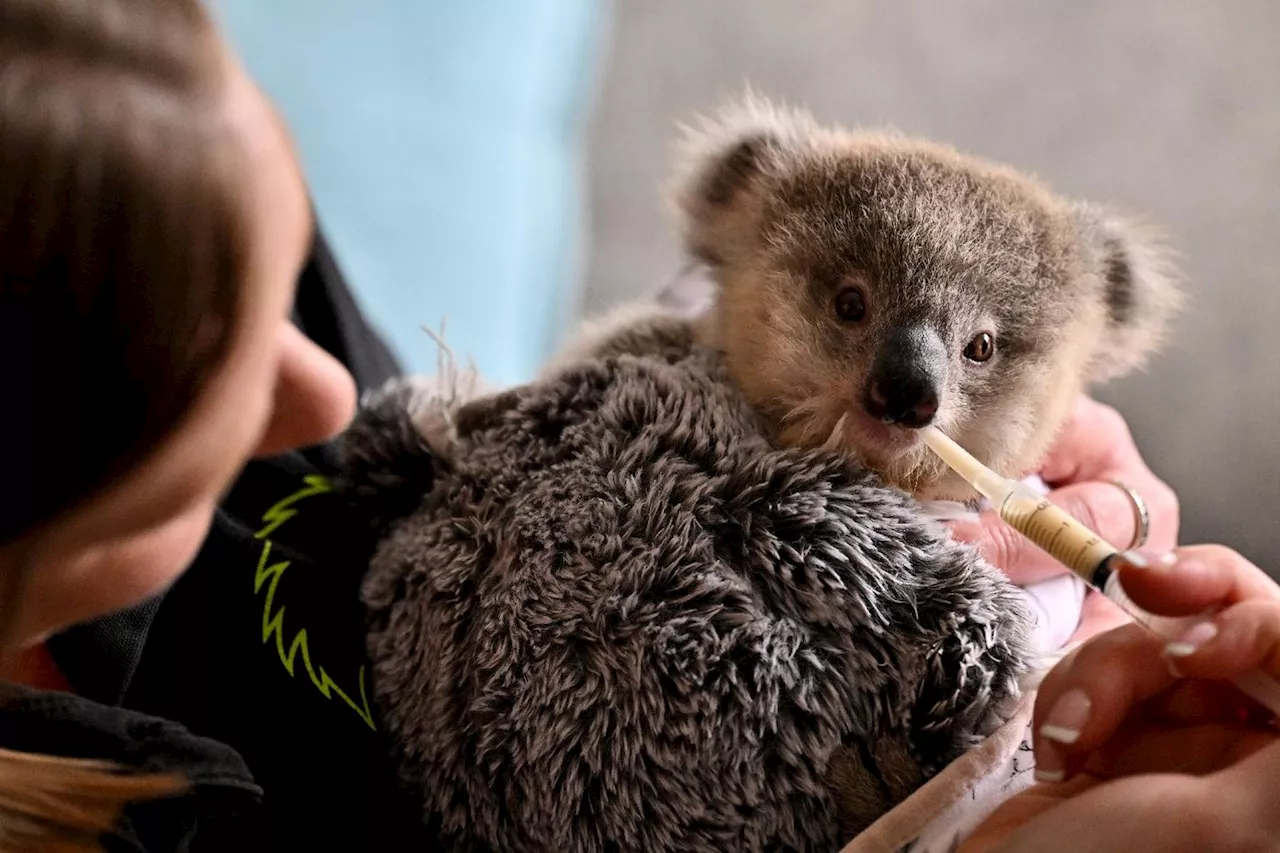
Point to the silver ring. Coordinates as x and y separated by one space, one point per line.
1141 517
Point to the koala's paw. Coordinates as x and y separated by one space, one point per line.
428 402
391 453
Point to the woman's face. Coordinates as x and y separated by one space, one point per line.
275 391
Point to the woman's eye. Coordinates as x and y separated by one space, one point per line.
981 348
850 306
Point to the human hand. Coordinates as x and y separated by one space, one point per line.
1138 758
1094 450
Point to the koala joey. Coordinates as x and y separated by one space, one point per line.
869 284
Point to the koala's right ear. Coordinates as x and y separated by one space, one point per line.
727 164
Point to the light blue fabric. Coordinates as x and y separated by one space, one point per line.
443 141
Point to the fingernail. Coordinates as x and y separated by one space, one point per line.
1067 717
1050 767
1149 559
1192 641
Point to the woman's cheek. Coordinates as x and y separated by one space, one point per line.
111 577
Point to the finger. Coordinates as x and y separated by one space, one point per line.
1115 680
1196 748
1094 442
1240 639
1192 701
1102 507
1107 510
1193 580
1096 446
1168 814
1250 785
1088 695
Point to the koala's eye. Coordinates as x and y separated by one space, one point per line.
850 306
981 348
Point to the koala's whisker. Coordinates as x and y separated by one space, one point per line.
836 439
798 412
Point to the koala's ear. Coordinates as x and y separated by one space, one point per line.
1141 289
730 171
728 162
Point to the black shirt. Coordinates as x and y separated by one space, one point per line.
222 808
259 646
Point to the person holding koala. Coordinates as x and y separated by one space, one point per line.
156 238
154 229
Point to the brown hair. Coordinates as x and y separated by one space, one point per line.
122 252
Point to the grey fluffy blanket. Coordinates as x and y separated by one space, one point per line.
607 616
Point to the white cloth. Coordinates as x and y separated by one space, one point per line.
938 816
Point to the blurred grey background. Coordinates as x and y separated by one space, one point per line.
1169 108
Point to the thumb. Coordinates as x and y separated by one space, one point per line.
1007 549
1102 507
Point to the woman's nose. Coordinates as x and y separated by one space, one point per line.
315 396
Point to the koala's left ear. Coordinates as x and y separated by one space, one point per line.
1141 288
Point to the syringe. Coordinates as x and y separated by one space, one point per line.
1078 548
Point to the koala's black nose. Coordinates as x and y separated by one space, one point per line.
906 378
910 403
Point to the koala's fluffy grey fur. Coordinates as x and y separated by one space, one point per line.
940 247
645 603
